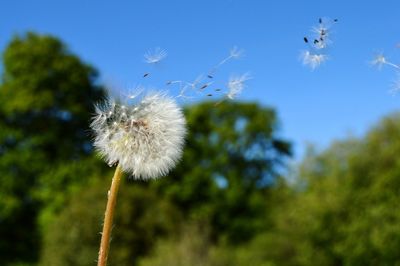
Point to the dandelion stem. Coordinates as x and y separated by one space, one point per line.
108 217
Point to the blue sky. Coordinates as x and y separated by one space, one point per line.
343 97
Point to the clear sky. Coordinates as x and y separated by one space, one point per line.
345 96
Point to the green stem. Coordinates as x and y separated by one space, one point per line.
108 217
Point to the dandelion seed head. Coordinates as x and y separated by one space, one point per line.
236 84
145 138
155 56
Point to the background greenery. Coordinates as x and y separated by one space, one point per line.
227 203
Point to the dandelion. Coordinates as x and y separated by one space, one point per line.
143 134
236 84
381 60
313 60
145 139
234 53
155 56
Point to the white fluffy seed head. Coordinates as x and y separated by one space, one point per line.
145 138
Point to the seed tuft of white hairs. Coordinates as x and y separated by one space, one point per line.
155 56
379 61
395 86
313 60
236 84
145 138
235 52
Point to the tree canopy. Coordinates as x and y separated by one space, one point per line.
46 96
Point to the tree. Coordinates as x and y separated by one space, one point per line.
232 156
344 211
46 97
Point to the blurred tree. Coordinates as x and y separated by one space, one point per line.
46 96
193 246
141 217
345 209
190 247
232 156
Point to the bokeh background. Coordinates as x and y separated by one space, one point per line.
301 169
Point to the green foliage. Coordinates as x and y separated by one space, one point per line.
46 97
56 186
73 239
231 158
190 247
345 209
342 211
193 245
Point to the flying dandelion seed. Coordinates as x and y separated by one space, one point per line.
316 53
380 60
313 60
322 36
395 86
234 53
182 89
155 56
196 82
205 85
192 89
236 84
145 138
